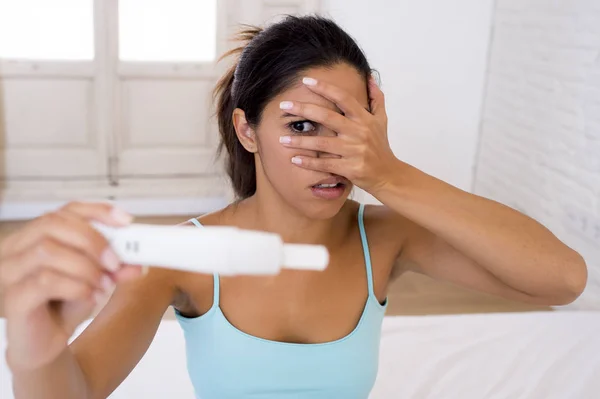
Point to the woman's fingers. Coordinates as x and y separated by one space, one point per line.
330 145
377 99
44 286
316 113
334 166
100 212
340 97
129 272
68 230
52 255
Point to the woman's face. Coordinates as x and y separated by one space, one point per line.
308 191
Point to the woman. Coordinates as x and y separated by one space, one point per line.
302 121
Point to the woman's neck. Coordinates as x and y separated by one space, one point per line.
271 213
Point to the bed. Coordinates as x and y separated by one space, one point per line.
538 355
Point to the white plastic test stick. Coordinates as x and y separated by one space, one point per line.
211 249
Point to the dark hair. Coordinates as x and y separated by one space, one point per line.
269 62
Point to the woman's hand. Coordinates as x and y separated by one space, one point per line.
52 272
363 153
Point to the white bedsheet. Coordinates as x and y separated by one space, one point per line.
528 355
553 355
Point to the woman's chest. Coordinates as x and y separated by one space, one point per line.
294 306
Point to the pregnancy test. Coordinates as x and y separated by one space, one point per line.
212 249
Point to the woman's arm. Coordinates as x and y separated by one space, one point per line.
454 235
478 243
110 347
60 379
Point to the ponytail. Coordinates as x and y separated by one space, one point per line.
240 166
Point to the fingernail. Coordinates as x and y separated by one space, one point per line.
309 81
145 270
107 284
374 82
120 216
285 139
286 105
110 260
297 161
99 297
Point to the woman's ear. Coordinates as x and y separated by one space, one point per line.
243 130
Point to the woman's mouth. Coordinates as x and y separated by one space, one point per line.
329 191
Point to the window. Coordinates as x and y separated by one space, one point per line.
47 30
167 30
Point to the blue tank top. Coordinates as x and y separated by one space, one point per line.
224 362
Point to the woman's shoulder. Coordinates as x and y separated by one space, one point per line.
384 224
382 217
215 218
180 280
386 231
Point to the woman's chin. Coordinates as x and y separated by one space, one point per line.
324 209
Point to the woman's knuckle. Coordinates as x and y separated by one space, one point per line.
45 278
80 290
69 207
45 249
343 96
51 219
322 143
363 151
73 205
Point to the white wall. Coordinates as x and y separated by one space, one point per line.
540 145
432 56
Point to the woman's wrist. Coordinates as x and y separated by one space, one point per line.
394 183
408 190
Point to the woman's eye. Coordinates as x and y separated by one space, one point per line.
303 127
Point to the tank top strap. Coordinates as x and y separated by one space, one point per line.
195 222
216 284
365 246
